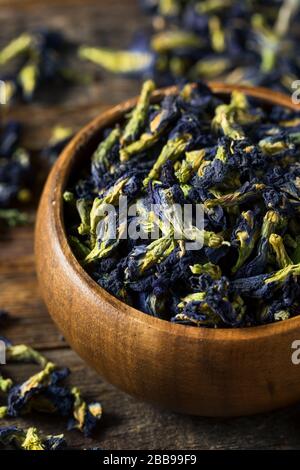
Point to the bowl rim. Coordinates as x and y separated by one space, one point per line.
59 176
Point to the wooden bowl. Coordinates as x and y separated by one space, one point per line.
211 372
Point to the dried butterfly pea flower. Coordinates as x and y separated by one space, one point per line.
22 353
107 240
32 441
282 257
231 40
15 176
3 412
210 68
159 123
197 297
230 117
84 208
269 43
217 36
245 235
143 257
153 304
276 145
85 416
41 392
44 393
280 276
5 384
272 222
266 282
245 194
208 268
139 115
175 227
13 217
15 48
28 79
168 8
11 436
55 442
111 196
164 115
172 150
285 303
213 171
35 61
121 61
249 193
212 307
193 162
60 137
69 197
101 155
165 42
14 166
145 142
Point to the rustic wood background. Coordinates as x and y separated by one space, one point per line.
127 424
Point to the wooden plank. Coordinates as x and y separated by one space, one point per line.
129 424
27 4
93 22
73 105
38 129
19 293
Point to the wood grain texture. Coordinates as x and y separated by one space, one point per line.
127 423
211 372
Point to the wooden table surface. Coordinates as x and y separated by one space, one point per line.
127 423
